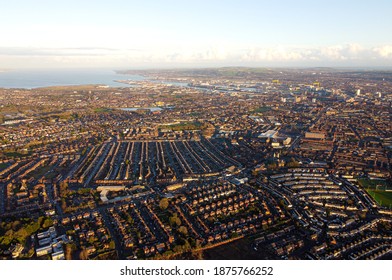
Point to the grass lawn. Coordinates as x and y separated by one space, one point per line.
262 109
374 184
184 126
102 110
382 197
40 171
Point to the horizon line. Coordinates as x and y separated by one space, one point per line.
121 68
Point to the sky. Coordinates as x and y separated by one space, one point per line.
195 33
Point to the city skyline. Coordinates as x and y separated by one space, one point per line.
131 34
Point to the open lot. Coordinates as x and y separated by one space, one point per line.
240 249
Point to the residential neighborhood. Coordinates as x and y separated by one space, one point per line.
187 164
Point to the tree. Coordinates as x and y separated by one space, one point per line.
48 222
83 254
84 191
362 215
63 204
68 251
63 188
293 163
272 166
130 220
183 230
21 235
164 203
33 227
16 225
5 241
174 220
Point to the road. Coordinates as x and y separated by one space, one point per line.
113 233
294 144
2 198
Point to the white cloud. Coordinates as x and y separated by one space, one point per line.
336 53
331 52
384 51
209 54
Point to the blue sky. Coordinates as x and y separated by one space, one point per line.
148 33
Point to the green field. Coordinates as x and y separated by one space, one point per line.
378 190
383 198
375 184
102 110
184 126
262 109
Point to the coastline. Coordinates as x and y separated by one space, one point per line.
32 79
